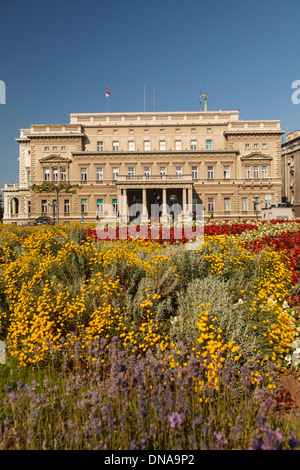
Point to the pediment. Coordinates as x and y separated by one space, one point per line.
256 156
55 159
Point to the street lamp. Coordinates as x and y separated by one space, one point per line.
53 205
256 203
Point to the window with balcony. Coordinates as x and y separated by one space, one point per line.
147 170
162 171
130 172
178 171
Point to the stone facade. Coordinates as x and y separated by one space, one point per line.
291 171
121 159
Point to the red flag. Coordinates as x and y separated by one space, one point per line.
107 93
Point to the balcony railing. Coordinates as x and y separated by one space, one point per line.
147 178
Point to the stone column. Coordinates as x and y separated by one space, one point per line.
144 215
124 206
183 203
164 206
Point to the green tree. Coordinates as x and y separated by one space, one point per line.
57 188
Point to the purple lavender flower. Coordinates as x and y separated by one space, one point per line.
175 420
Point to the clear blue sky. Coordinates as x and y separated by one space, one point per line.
59 56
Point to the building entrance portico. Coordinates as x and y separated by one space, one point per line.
151 201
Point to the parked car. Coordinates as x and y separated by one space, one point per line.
43 221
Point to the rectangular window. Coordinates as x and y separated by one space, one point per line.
99 174
115 146
115 206
44 206
227 172
83 174
146 144
46 149
63 174
54 174
256 173
247 172
100 146
28 176
263 146
247 146
264 172
162 145
244 204
99 206
147 170
177 144
63 148
67 206
209 145
226 204
115 173
210 204
178 171
255 146
162 171
131 146
84 206
194 172
210 172
55 148
46 174
130 172
29 207
193 144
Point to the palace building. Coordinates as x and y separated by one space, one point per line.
231 166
